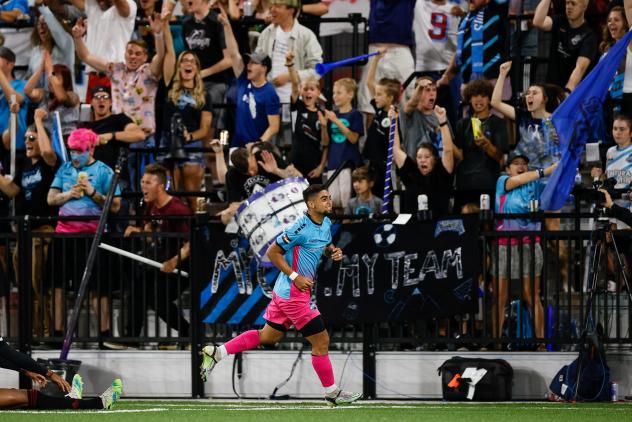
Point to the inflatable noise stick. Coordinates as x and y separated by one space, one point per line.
323 68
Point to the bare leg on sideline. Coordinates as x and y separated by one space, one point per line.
502 302
10 398
537 311
18 399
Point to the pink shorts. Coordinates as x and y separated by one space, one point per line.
293 311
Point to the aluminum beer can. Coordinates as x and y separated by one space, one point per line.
484 202
422 202
534 205
223 138
614 391
200 205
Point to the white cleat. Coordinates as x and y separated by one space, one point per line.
342 397
209 360
112 394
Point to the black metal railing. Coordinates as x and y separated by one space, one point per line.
136 296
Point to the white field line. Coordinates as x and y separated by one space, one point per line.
447 408
175 408
416 403
84 412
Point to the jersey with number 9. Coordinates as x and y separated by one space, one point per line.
435 34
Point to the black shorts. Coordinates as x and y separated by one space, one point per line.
314 326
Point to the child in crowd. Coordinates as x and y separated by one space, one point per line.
344 130
385 93
364 202
308 153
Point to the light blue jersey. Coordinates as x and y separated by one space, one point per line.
516 201
304 244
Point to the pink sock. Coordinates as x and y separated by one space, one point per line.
244 341
322 366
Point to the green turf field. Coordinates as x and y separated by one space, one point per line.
307 411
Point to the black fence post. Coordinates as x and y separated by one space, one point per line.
25 331
368 361
199 237
355 21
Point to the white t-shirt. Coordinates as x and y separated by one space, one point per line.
619 166
281 43
435 35
109 32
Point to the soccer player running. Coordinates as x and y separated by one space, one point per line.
296 253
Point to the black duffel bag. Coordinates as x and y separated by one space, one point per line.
494 386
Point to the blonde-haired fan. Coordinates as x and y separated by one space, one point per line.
186 114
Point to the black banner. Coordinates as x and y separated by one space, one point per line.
400 272
239 288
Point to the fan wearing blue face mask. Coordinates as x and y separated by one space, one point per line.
79 189
81 184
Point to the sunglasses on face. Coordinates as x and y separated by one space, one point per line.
101 97
30 138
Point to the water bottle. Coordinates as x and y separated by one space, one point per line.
485 212
484 202
422 202
578 178
423 213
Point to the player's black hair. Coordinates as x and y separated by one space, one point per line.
311 191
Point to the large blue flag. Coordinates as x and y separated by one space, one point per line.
579 119
58 139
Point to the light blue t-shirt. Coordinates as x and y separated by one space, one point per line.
516 201
18 85
100 176
304 244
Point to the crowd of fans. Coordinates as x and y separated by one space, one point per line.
164 79
168 82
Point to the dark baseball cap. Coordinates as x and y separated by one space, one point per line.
260 57
100 88
515 155
7 54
